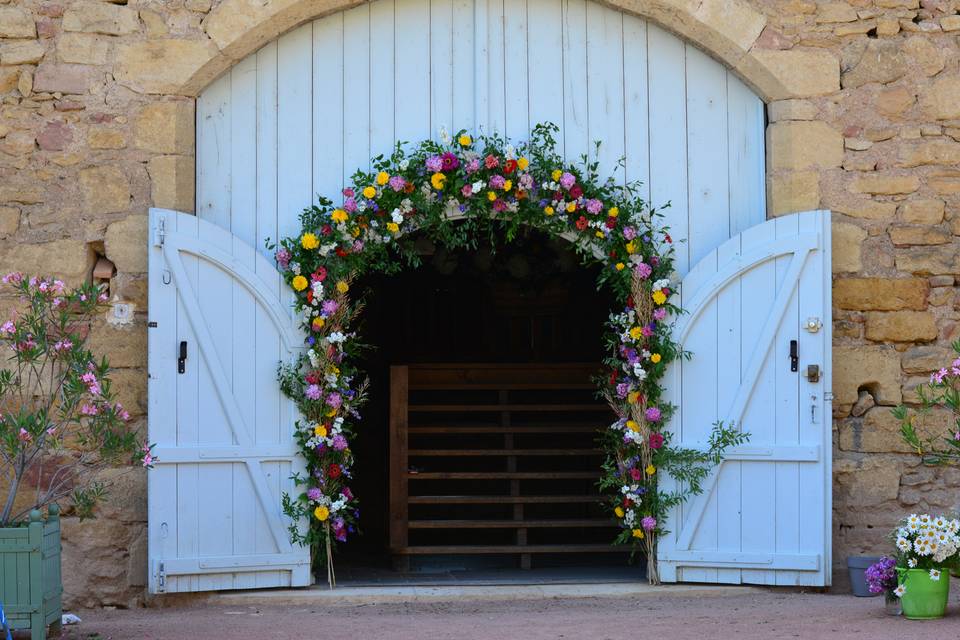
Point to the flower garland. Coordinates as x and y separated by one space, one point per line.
490 186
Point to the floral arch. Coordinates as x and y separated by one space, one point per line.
490 186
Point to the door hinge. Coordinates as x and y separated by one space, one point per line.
828 396
161 578
161 233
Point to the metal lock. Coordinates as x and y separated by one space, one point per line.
812 373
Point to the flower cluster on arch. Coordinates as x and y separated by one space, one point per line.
454 191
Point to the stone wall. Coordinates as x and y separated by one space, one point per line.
96 125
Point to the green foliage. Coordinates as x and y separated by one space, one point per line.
940 395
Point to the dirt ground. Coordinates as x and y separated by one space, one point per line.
754 615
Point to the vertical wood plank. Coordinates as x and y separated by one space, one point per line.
605 99
544 55
745 143
213 152
382 77
515 77
412 72
441 67
576 141
243 150
636 111
464 51
266 150
294 133
355 93
328 116
496 67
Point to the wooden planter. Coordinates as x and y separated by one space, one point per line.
30 585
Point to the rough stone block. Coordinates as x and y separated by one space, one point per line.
925 211
793 73
925 359
901 326
881 62
9 221
791 110
877 432
932 260
885 184
804 145
865 482
945 152
29 52
172 182
104 189
124 346
903 235
793 191
166 127
106 138
63 78
894 101
847 241
876 368
162 66
67 259
864 208
82 48
880 294
101 17
941 101
126 245
16 23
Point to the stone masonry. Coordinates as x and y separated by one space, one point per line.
97 125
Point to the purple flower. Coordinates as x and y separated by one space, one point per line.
434 163
652 414
643 270
329 307
397 183
649 523
567 180
339 442
283 258
497 182
473 166
623 389
357 246
314 493
594 206
350 205
312 392
450 161
334 400
629 233
882 576
659 313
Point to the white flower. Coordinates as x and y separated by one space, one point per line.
444 136
639 372
295 268
940 522
913 519
396 216
903 544
911 563
336 337
900 590
934 575
404 164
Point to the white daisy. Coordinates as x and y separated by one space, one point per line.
903 544
934 574
912 563
899 591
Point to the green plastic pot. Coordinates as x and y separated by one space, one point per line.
924 598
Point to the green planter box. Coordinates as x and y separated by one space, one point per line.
30 585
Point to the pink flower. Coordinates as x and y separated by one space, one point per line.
24 435
312 392
567 180
283 258
629 233
13 278
434 163
348 192
656 440
397 183
467 190
659 313
147 460
652 414
350 205
594 206
473 165
450 161
8 327
88 409
499 205
643 270
635 474
491 162
526 182
647 331
649 523
497 182
334 400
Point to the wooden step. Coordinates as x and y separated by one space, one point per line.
503 452
501 386
502 475
512 549
514 429
432 408
504 499
511 524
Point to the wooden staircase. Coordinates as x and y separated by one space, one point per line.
496 459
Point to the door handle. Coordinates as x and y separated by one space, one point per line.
794 356
182 360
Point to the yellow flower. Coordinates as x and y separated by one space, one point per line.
309 241
659 297
383 178
321 513
613 212
638 533
633 397
355 232
339 215
369 192
332 412
393 227
299 283
655 358
619 266
465 140
548 210
571 207
599 234
556 174
650 469
619 512
523 163
320 431
318 323
343 287
633 426
507 185
631 249
437 180
636 332
491 196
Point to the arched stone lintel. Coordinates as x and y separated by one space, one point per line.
726 29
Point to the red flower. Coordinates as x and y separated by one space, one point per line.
341 252
613 377
408 188
326 230
611 223
576 191
582 223
310 296
334 471
656 440
312 378
635 474
510 167
629 302
319 275
627 503
667 237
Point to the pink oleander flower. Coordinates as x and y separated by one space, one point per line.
89 409
8 327
567 180
652 414
312 392
397 183
24 435
649 523
14 277
147 459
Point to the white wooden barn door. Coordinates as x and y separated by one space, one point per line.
758 322
220 321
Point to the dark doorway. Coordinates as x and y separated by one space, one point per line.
529 301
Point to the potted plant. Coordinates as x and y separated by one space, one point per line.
926 548
881 578
60 427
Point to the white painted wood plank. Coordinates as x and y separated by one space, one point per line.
745 144
294 134
213 152
266 149
515 59
544 56
496 68
635 103
381 78
462 61
576 140
441 67
356 94
707 153
328 117
605 99
412 71
243 150
667 131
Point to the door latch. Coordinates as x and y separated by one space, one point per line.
813 325
812 373
794 357
182 360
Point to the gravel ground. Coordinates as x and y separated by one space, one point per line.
753 615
